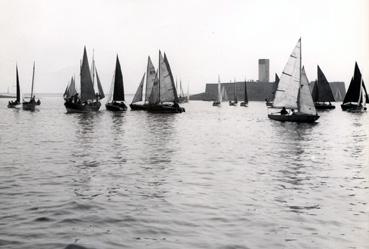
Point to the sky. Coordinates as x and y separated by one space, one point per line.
202 39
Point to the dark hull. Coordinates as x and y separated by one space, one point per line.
298 118
136 107
320 106
164 108
82 108
116 107
29 106
216 103
231 103
245 104
270 104
13 105
352 107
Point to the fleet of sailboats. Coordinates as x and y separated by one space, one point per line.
293 92
322 92
356 96
291 95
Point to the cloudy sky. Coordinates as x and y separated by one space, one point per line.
201 38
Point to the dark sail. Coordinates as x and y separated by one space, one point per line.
87 88
118 94
322 91
275 86
353 92
18 89
99 86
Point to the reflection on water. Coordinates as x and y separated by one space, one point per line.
223 177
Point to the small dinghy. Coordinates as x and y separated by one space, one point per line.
356 97
293 93
322 93
17 102
116 102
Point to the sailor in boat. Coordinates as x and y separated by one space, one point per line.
284 111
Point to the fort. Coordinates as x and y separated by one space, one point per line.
256 91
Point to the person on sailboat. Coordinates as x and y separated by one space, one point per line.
284 111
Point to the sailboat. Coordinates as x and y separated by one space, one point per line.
163 97
87 100
218 101
245 101
188 94
293 92
269 101
356 97
31 104
322 92
234 101
116 102
151 75
16 103
181 98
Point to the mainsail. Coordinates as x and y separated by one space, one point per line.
354 91
18 88
246 99
138 95
288 87
305 100
118 93
168 92
322 91
366 93
154 97
219 91
150 78
87 88
33 79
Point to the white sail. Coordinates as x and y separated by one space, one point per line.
289 83
150 78
138 95
224 94
168 92
305 100
219 91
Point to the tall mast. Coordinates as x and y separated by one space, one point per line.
159 74
298 95
93 67
33 79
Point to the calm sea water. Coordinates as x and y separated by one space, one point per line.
208 178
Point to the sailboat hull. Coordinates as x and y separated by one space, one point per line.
164 108
216 103
14 104
323 106
29 106
116 107
245 104
137 107
232 103
298 118
352 107
82 108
